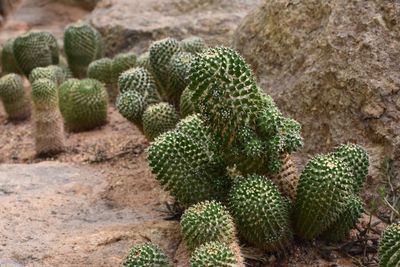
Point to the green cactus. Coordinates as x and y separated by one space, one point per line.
389 247
35 49
83 104
82 44
325 188
121 63
8 62
143 61
287 179
186 105
100 70
193 44
159 118
357 158
179 67
14 98
340 229
147 255
131 105
186 164
49 130
205 222
260 212
213 254
54 73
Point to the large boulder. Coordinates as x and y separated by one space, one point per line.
128 23
332 65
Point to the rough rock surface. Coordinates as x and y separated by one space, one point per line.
332 65
128 23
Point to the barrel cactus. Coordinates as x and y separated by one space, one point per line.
193 44
35 49
8 62
325 188
82 44
179 67
147 255
260 213
213 254
49 129
159 118
54 73
186 106
14 98
121 63
83 104
389 247
131 105
143 60
100 70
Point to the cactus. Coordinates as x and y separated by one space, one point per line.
325 187
159 118
100 70
54 73
205 222
186 164
131 105
357 158
389 247
121 63
286 179
185 105
178 75
13 96
35 49
340 229
8 62
146 255
213 254
260 212
143 61
82 44
49 130
193 44
83 104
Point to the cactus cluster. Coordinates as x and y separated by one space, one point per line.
147 255
14 98
389 246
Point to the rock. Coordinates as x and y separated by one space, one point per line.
128 23
332 65
87 4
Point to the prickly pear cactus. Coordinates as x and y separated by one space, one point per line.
8 62
179 67
159 118
49 129
131 105
389 247
35 49
121 63
100 70
186 106
83 104
205 222
325 188
193 44
54 73
147 255
82 45
213 254
13 96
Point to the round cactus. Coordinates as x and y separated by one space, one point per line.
131 105
13 96
121 63
205 222
54 73
35 49
178 75
193 44
213 254
82 45
146 255
186 104
143 61
49 130
357 158
8 62
260 212
389 247
325 188
159 118
286 179
100 70
83 104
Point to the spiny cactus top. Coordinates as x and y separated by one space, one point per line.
131 105
186 105
159 118
8 62
146 255
260 212
179 67
325 188
52 72
193 44
82 44
213 254
207 221
100 70
13 96
121 63
44 93
83 104
35 49
357 158
389 247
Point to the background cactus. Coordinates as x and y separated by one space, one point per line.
8 62
100 70
146 255
213 254
35 49
159 118
260 213
49 130
193 44
389 247
131 105
54 73
121 63
325 188
186 106
179 67
82 45
13 96
83 104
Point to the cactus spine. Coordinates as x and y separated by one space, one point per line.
14 98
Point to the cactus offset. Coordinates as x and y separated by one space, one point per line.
179 67
213 254
389 247
14 98
131 105
49 130
193 44
54 73
146 255
159 118
100 70
8 62
121 63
